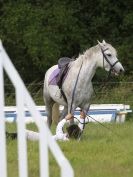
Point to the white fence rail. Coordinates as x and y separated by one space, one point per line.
23 99
98 112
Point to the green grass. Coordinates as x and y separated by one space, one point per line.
100 153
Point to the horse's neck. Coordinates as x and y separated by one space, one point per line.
83 69
88 67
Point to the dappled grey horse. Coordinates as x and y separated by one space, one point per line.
77 86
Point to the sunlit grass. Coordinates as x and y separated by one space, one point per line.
100 153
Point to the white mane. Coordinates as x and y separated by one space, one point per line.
93 50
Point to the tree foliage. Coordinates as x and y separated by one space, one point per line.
36 32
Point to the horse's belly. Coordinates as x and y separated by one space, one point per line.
56 94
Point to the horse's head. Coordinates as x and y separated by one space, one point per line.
110 61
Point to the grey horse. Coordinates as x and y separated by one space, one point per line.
80 74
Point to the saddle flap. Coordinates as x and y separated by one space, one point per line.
59 74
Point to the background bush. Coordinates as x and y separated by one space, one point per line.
37 33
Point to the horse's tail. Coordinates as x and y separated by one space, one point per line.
55 113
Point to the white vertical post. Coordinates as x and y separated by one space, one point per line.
22 143
3 163
45 138
44 161
66 168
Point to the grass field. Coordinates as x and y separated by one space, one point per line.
100 153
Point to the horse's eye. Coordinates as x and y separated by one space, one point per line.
109 55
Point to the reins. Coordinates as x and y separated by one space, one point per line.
108 78
102 125
73 93
88 116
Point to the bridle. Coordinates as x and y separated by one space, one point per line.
108 61
105 81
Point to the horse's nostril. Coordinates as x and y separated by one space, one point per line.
121 70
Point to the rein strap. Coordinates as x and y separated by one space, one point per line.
104 56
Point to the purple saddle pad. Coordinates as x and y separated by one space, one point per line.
53 76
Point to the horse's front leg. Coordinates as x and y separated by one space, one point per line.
82 120
64 113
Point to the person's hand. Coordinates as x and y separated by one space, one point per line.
69 117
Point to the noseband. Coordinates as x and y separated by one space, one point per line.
108 61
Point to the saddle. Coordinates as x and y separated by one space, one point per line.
59 74
63 69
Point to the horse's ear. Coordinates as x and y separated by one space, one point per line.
100 43
104 43
0 42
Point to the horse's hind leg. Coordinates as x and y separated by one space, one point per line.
49 105
55 113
